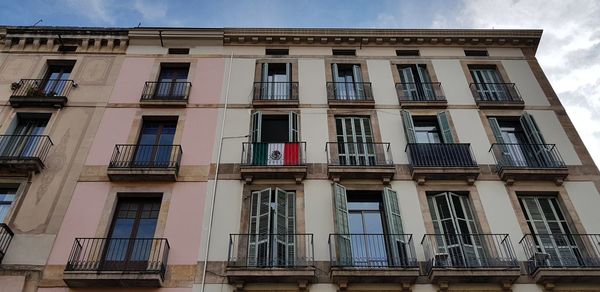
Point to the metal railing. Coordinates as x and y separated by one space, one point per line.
440 155
468 251
561 251
359 154
349 91
273 154
42 88
270 250
526 156
496 92
144 255
23 147
275 91
6 236
423 92
146 156
372 251
166 91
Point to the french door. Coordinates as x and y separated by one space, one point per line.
172 82
489 84
355 141
130 241
348 82
456 228
25 139
416 82
155 144
56 79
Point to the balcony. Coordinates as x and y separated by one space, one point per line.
165 94
529 162
373 258
496 95
117 262
350 94
24 153
563 258
437 161
273 161
275 94
41 92
426 95
6 236
359 161
145 163
470 258
270 258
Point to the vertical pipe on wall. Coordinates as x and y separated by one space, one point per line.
214 189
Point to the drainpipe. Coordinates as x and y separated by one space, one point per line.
216 179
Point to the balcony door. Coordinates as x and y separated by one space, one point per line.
271 235
155 144
275 139
56 78
276 81
130 240
489 84
348 82
172 81
454 226
550 231
355 141
25 139
416 83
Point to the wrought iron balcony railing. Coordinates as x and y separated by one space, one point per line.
25 147
270 250
273 154
6 236
368 154
42 88
349 91
146 156
526 156
561 250
372 251
440 155
420 92
166 91
496 93
275 91
470 251
143 255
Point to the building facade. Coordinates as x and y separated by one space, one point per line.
290 160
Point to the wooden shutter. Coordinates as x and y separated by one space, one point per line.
445 127
532 131
358 85
394 226
342 228
256 122
496 130
284 228
260 228
293 127
409 127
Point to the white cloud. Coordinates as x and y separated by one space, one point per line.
95 10
151 10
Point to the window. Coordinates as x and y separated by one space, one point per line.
348 82
155 143
355 141
271 234
427 129
25 136
415 82
179 51
343 52
172 80
276 81
277 52
57 77
274 139
407 53
489 84
7 197
476 53
369 228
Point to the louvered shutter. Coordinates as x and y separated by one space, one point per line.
397 241
445 127
258 235
409 127
344 245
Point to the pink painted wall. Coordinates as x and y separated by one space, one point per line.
130 82
207 82
198 136
116 289
114 129
184 222
81 220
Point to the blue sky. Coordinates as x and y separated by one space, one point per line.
569 51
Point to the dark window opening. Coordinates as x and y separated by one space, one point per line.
476 53
427 130
155 143
172 80
67 49
277 72
344 52
408 53
7 197
179 51
275 129
277 52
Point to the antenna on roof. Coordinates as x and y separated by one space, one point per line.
139 23
37 22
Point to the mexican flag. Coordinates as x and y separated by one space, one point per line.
276 153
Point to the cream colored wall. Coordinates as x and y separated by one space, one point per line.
213 288
29 249
146 49
314 131
237 125
382 82
226 218
454 82
318 215
323 288
244 50
12 283
372 51
410 210
392 131
505 52
500 213
469 128
586 199
520 73
207 50
554 133
242 79
442 52
526 288
310 51
311 80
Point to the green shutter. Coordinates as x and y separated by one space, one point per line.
496 130
284 228
259 229
256 125
445 127
342 228
394 226
358 85
293 127
409 127
532 131
265 90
